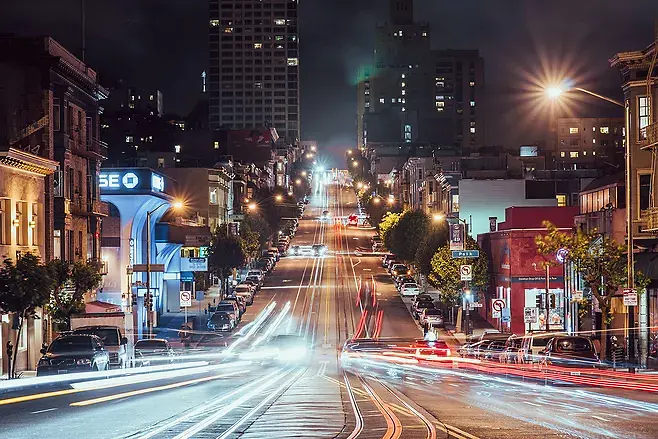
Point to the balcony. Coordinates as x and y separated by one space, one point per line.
650 135
79 207
651 217
93 149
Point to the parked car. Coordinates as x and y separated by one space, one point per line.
229 307
274 252
432 317
387 257
113 342
422 297
390 264
570 351
398 269
512 350
472 350
492 350
421 306
220 321
533 343
258 273
246 292
403 279
239 301
254 282
74 353
409 289
153 351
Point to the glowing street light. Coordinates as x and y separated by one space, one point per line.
312 147
253 206
554 92
349 152
298 182
438 217
309 155
359 185
355 164
303 173
278 197
376 200
246 200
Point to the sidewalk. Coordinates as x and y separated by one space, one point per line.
171 322
480 325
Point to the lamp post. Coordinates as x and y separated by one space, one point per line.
555 92
148 300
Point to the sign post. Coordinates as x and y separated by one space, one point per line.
185 302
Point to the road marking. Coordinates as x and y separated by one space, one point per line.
149 390
44 411
367 269
532 403
600 418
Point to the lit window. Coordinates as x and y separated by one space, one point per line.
605 130
593 152
440 98
293 61
278 38
472 83
407 128
404 92
151 98
593 129
258 45
573 154
216 145
472 103
404 109
367 92
400 33
424 34
440 104
228 30
392 100
472 130
367 104
404 101
562 154
584 152
573 130
593 140
280 22
399 100
214 23
440 84
129 139
404 76
561 200
404 84
643 104
439 109
381 100
177 149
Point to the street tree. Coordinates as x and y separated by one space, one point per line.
226 252
601 263
25 286
436 237
386 225
70 283
445 277
407 234
256 223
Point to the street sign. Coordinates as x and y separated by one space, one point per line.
466 272
577 295
630 297
475 305
187 276
497 305
530 315
456 254
186 299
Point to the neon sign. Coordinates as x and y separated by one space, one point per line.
157 182
129 180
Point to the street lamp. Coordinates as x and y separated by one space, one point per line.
303 173
278 197
438 217
376 200
349 152
177 205
555 92
252 206
355 164
298 182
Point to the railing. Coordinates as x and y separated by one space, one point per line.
98 147
651 217
650 133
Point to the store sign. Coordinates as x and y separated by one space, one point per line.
194 264
157 183
131 257
130 180
630 297
186 276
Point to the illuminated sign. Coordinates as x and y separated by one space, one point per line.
131 245
528 151
194 264
113 181
157 182
116 181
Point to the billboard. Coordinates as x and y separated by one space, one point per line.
529 151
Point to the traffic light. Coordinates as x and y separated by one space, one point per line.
551 301
148 301
538 301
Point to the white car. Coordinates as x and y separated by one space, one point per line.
410 289
257 273
432 317
245 291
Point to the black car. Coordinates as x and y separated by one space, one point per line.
153 351
570 351
74 353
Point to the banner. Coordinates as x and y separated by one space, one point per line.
457 236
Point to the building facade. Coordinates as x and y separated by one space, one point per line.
254 65
590 143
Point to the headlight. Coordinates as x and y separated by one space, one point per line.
83 362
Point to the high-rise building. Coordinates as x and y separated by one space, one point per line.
413 94
254 65
591 142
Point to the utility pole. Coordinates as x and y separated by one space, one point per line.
547 304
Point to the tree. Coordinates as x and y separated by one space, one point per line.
445 277
386 225
70 283
256 223
601 263
225 253
436 238
24 287
252 241
408 232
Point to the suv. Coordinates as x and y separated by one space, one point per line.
387 257
400 269
115 344
534 343
73 353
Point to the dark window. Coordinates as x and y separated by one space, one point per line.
645 189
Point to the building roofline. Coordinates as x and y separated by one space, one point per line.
27 162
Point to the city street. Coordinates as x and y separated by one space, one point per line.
224 395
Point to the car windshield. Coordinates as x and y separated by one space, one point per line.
410 286
433 312
109 336
225 307
151 344
70 344
573 344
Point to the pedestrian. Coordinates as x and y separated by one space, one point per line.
185 335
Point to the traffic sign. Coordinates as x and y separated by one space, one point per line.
497 305
630 297
577 295
465 254
466 272
530 315
186 299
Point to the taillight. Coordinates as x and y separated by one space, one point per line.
448 353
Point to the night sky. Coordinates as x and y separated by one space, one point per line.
163 43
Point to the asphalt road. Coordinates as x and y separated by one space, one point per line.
226 396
